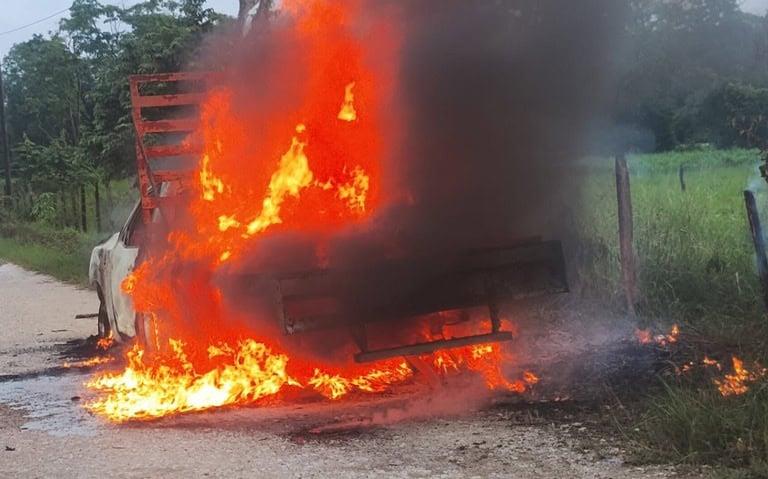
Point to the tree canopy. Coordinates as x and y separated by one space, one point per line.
69 91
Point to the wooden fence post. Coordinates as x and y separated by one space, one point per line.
626 249
758 240
681 175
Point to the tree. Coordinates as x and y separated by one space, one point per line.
40 82
68 96
678 53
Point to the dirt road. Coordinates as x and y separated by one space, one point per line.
44 431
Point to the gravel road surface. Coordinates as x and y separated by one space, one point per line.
44 431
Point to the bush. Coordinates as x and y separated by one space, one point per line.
66 239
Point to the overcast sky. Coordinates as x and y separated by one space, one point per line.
17 13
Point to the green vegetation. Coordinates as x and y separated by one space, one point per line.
696 268
694 423
695 258
68 102
45 245
694 72
70 266
62 253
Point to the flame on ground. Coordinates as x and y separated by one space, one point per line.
738 381
85 363
645 336
251 371
735 383
105 343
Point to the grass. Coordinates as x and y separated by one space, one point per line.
696 268
694 254
692 423
63 253
694 159
70 266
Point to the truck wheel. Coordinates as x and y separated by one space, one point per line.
145 332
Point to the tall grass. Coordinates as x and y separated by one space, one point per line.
70 266
696 267
698 425
694 254
61 253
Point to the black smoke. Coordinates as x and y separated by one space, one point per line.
495 101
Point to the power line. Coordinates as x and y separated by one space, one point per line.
34 23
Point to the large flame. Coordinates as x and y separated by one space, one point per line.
312 167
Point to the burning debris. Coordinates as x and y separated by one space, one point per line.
252 372
86 363
736 382
645 336
731 384
105 343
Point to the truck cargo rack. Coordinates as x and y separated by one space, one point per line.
165 115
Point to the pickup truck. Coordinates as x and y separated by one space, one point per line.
316 299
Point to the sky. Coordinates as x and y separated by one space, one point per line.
17 13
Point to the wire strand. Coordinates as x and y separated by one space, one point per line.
34 23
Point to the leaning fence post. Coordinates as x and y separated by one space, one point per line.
758 240
626 250
681 175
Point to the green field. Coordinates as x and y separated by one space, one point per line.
696 268
694 255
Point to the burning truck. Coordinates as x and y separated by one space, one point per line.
284 242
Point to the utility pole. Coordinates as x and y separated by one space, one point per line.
4 140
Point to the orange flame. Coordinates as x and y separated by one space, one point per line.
94 361
738 381
105 343
734 383
251 371
347 112
645 336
